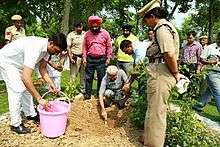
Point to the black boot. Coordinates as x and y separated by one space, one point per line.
21 129
198 107
34 118
121 103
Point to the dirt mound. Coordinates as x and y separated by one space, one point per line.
85 128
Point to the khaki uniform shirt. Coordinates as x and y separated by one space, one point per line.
75 40
168 42
12 33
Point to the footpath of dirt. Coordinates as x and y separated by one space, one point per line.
85 128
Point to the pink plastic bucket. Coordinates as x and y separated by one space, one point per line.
53 122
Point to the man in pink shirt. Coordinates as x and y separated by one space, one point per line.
97 53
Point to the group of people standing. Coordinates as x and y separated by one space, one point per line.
92 51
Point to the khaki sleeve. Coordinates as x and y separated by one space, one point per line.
165 40
69 39
8 34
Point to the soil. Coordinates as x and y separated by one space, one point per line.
85 129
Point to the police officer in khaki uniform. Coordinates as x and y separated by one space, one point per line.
163 72
16 31
74 48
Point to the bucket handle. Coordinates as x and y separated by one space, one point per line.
65 98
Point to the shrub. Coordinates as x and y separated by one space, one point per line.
183 128
71 89
138 112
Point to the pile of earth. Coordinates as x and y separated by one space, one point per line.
85 128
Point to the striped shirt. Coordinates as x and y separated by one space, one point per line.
192 53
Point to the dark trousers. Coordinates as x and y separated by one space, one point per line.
93 64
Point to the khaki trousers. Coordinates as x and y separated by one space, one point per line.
159 85
78 68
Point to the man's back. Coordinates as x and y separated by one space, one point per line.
26 49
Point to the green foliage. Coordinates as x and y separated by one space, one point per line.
184 129
38 29
137 115
138 112
71 89
199 21
197 84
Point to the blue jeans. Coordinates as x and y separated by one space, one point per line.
213 89
93 64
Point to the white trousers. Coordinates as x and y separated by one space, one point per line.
18 100
18 96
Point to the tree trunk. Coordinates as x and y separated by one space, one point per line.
137 23
65 19
165 4
211 2
173 10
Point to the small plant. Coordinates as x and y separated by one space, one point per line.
184 129
71 89
138 112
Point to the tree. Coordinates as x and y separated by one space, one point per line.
208 16
65 19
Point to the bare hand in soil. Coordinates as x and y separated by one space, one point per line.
104 115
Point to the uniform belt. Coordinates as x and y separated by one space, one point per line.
80 56
156 60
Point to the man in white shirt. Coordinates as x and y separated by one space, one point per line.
210 57
18 60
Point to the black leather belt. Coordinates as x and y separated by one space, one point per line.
96 57
80 56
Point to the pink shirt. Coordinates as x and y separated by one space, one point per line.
97 45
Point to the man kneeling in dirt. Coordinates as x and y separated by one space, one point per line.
114 88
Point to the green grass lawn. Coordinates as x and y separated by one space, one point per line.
210 110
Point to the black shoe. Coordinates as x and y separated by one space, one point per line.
121 103
34 118
107 103
198 107
86 97
21 129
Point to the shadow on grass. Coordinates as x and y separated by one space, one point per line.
210 111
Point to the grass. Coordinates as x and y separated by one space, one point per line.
211 112
3 103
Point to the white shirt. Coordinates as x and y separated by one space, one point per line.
140 48
26 51
53 73
210 50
